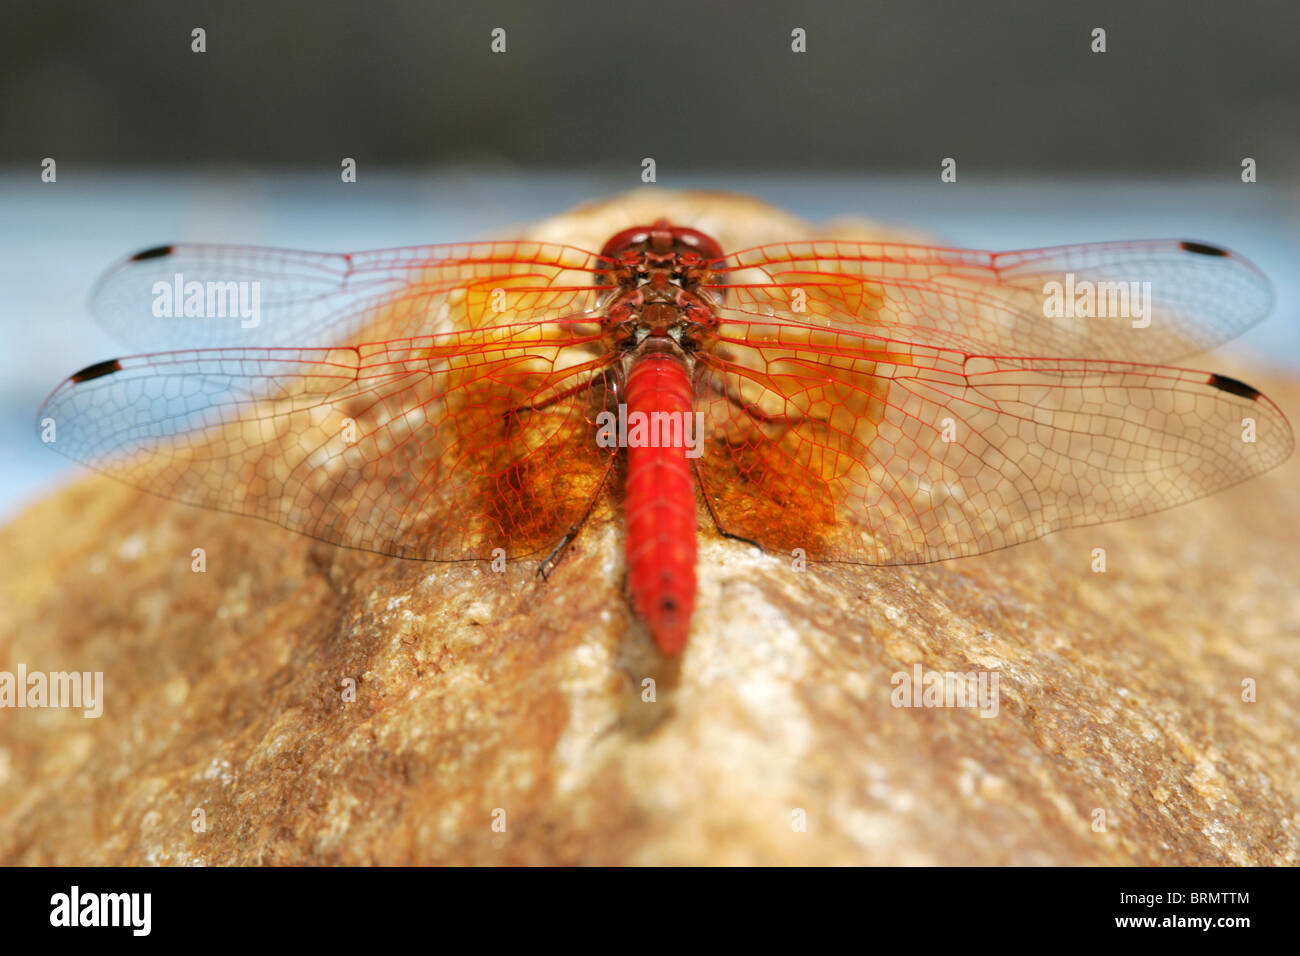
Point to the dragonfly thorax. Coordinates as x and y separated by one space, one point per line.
657 285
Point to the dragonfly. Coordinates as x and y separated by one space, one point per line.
864 403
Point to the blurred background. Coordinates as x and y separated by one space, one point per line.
242 143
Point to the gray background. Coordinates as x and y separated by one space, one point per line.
1186 85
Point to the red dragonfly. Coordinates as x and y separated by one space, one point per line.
867 403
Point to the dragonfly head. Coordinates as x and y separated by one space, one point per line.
656 276
657 255
662 241
634 255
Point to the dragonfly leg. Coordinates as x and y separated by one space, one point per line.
757 415
717 525
585 385
551 560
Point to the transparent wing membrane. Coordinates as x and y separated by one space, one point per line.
195 296
441 447
896 453
1161 300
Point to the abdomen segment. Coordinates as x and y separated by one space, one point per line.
660 500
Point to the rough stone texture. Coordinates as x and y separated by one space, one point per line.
1120 691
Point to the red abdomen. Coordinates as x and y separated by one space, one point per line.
659 508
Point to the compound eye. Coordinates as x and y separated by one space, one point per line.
624 241
706 246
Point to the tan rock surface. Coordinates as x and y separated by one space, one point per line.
479 692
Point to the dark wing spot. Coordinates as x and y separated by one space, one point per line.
157 252
98 370
1204 248
1233 387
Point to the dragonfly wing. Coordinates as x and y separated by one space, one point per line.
1161 299
209 296
442 447
876 451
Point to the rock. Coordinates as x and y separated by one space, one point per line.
484 698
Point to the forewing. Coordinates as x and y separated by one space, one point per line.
1158 300
870 450
189 296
